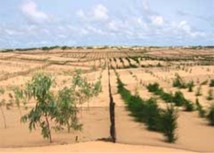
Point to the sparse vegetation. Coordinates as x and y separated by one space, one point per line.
200 109
168 119
147 111
62 111
198 91
210 95
210 115
178 82
212 83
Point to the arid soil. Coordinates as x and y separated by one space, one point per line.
193 133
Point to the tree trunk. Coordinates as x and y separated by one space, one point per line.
4 118
68 127
49 130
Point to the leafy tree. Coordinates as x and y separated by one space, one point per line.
67 110
45 108
84 90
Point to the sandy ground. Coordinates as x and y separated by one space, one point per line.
193 132
94 147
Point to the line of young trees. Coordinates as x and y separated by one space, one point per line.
148 112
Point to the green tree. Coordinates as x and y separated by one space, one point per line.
83 89
67 110
45 108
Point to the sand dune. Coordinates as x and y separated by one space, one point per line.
94 147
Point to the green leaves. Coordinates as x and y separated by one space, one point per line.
210 115
84 90
60 108
169 124
147 111
39 86
39 89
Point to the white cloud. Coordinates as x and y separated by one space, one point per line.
98 13
157 20
187 29
30 9
81 13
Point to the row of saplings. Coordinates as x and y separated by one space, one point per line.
54 111
148 112
178 99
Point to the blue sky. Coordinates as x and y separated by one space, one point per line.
35 23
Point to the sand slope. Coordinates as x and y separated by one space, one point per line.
94 147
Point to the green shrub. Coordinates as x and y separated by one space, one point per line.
167 97
178 98
210 115
178 82
200 109
189 106
169 124
190 85
210 95
148 112
212 83
151 114
153 87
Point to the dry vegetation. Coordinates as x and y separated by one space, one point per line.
161 95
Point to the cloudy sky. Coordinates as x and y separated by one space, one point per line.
35 23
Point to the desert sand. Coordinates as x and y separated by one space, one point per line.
193 132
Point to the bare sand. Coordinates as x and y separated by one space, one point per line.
94 147
193 132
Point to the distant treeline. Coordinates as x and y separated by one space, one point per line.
46 48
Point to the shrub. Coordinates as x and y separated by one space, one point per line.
198 91
210 95
212 83
210 115
189 106
200 109
169 124
167 97
178 82
178 98
190 85
151 114
153 87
